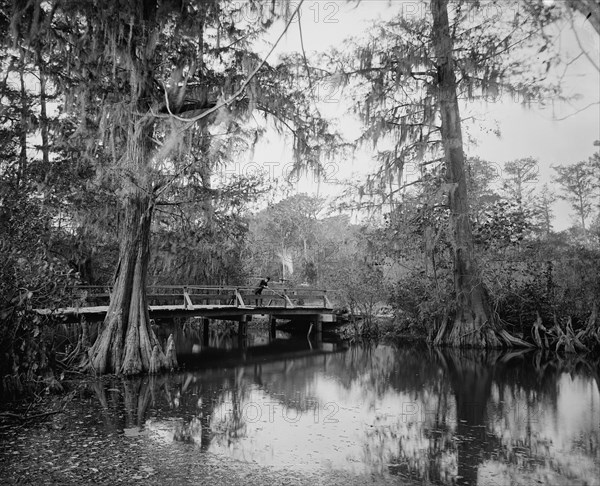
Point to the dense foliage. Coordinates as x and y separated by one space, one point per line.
531 271
31 277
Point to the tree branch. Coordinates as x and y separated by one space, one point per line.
589 58
242 88
577 111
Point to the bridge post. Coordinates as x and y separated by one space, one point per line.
238 298
187 302
272 327
326 302
243 326
318 330
286 300
319 324
205 331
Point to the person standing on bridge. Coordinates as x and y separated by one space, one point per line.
264 284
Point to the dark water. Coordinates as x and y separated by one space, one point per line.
443 417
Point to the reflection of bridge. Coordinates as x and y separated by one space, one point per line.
222 350
209 302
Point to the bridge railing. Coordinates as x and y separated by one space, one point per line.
191 295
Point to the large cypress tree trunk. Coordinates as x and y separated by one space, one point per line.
126 340
471 326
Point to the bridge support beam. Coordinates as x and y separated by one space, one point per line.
243 325
319 328
315 330
272 327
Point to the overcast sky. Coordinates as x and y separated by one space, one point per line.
556 134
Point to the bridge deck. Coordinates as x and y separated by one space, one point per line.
232 303
231 312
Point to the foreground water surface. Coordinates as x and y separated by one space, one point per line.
387 413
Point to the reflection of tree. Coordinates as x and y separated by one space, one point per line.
535 382
231 425
211 404
382 368
454 443
506 425
422 440
125 404
498 398
129 394
470 373
136 400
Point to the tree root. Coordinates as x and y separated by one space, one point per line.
155 361
171 355
513 341
163 361
491 335
564 338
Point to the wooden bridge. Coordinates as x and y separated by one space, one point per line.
209 302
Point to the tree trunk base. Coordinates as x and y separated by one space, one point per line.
155 361
482 333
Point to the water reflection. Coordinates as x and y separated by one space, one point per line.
225 346
444 417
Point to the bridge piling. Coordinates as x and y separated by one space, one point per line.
319 327
243 326
316 328
272 327
205 331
